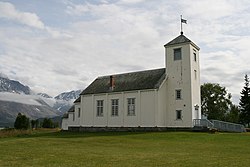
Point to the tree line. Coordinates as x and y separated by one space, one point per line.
216 103
23 122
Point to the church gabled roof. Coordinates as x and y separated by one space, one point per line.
72 109
66 115
150 79
78 100
179 40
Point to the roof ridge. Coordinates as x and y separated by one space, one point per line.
104 76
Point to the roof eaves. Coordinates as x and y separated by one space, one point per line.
78 100
181 39
72 109
66 115
158 84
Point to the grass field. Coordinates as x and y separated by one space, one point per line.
53 148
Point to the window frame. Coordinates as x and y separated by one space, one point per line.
114 107
195 56
178 114
99 108
178 94
177 54
79 112
195 74
131 106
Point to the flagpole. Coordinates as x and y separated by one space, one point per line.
181 25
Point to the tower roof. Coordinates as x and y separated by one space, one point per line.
179 40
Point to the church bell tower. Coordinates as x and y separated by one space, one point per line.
183 82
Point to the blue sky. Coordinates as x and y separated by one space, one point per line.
61 45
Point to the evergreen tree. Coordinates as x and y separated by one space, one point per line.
34 123
21 122
233 114
47 123
245 103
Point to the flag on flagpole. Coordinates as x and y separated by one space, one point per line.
184 21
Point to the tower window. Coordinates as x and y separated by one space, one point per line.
178 114
195 74
195 57
178 94
177 54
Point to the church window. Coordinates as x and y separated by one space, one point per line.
177 54
178 94
131 106
178 114
73 116
195 58
79 112
114 107
99 108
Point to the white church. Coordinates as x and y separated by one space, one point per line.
144 100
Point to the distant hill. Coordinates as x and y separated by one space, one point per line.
32 106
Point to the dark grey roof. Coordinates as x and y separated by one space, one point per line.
72 109
150 79
181 39
66 115
78 100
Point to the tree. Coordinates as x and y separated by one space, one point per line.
233 114
47 123
34 123
21 122
215 101
245 103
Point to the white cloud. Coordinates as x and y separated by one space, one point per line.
106 38
73 9
8 11
129 1
211 9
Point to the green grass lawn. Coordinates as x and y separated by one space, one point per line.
125 149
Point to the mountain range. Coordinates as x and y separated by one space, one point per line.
16 97
12 86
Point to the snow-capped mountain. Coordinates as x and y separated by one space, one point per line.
65 100
7 85
72 95
44 95
61 102
15 98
